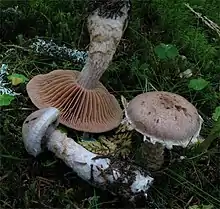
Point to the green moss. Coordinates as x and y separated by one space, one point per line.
63 21
184 29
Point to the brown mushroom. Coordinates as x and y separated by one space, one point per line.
166 120
85 104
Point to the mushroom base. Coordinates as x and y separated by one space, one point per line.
119 177
151 156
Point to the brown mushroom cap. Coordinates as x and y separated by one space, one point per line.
89 110
166 117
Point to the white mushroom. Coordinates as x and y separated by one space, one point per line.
166 120
119 177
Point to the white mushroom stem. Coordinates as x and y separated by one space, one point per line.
101 172
118 177
76 156
105 35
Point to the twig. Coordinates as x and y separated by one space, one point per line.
115 200
23 109
205 19
188 203
5 176
18 47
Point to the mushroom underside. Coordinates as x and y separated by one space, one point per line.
89 110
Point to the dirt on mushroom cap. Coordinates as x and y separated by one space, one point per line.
165 116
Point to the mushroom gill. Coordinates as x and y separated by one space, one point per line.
93 110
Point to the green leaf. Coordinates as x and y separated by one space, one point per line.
17 79
6 99
216 114
144 66
166 51
198 84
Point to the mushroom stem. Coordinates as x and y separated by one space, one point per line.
105 35
94 68
118 176
151 155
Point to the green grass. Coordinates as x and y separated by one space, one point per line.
45 182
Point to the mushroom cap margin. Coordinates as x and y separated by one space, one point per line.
35 126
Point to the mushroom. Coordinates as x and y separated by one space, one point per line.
165 120
85 104
35 126
119 177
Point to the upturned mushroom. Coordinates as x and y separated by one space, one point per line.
118 177
165 120
85 104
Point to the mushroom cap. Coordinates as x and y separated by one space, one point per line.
164 117
35 127
89 110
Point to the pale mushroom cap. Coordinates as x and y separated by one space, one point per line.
164 117
94 110
35 126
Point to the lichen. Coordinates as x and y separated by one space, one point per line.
3 83
50 48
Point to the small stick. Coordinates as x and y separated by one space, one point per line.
205 19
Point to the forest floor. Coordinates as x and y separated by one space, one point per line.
167 46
